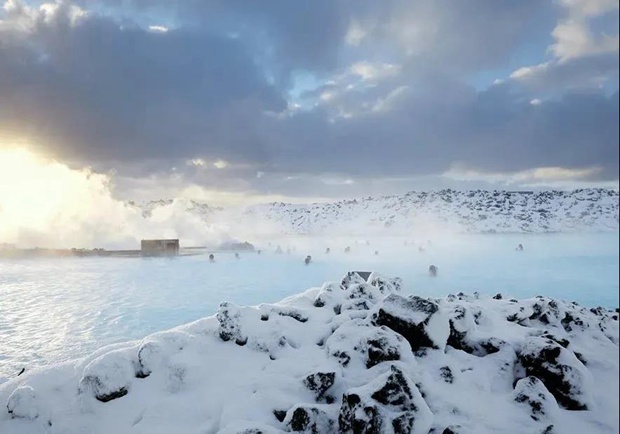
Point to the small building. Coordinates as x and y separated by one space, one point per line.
159 247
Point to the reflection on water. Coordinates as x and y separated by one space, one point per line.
57 309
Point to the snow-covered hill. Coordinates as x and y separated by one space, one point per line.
353 356
468 211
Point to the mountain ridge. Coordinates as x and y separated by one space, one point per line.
469 211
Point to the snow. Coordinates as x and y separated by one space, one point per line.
307 364
54 310
421 212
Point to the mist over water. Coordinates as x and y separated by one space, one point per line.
57 309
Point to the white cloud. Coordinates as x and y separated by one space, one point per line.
590 7
158 29
221 164
197 162
373 71
574 39
539 176
355 34
527 72
386 103
335 180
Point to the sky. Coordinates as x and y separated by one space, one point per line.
248 101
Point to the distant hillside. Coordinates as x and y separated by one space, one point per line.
463 211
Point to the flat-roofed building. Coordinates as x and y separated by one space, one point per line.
160 247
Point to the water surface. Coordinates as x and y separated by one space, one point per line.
57 309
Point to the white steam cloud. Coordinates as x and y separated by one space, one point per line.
47 204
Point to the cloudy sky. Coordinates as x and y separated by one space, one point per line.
315 99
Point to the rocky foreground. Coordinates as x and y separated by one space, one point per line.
354 356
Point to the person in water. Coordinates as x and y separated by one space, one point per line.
421 249
432 271
328 250
236 255
308 259
519 248
347 249
211 258
278 249
258 252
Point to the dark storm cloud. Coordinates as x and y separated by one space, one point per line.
104 90
492 131
96 90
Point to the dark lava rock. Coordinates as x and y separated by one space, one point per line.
570 322
325 295
320 382
559 370
351 278
371 346
228 316
362 291
459 339
496 297
291 313
391 403
564 342
380 349
309 419
446 374
384 284
408 317
110 396
280 415
541 405
355 305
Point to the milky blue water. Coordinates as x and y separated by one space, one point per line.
57 309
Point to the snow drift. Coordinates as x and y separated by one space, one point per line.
354 356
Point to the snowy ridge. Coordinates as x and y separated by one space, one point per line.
202 210
353 356
468 211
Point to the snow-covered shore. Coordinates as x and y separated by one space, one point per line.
353 356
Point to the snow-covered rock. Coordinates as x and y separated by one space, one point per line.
389 404
474 211
23 403
353 356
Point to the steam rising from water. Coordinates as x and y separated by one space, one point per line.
47 204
